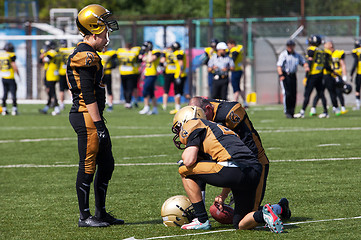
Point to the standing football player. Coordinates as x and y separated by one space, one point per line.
49 57
109 62
316 63
339 67
129 72
356 53
151 60
8 70
84 76
167 61
64 53
180 75
236 53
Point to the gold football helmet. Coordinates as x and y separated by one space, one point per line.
182 116
176 211
94 19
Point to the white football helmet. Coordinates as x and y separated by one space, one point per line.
182 116
176 211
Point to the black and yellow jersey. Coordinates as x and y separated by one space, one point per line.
337 55
84 78
216 144
109 59
236 53
356 53
151 67
63 54
51 65
128 60
328 61
6 58
208 51
180 71
170 61
234 116
317 64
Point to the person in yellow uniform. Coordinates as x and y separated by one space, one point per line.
209 52
180 75
339 68
356 54
49 57
316 63
167 60
151 60
129 72
8 70
236 53
329 81
109 61
64 52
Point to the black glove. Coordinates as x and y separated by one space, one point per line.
103 134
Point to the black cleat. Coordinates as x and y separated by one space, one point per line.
108 218
42 111
92 222
286 212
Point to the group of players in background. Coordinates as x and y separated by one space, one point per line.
134 63
327 70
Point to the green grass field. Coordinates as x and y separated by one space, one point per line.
315 163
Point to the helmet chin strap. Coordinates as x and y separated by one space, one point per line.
107 36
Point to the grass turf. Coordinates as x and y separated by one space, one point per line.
39 202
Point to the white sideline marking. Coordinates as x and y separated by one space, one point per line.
329 145
169 163
229 230
170 135
75 138
308 130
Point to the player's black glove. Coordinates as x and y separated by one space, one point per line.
103 134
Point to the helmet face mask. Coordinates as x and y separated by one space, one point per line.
182 116
94 19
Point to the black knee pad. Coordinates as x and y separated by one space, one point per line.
258 216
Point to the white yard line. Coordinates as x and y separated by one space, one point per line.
169 135
228 230
167 163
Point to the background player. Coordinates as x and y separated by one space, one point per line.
8 70
315 59
151 59
180 75
63 53
209 52
109 61
167 61
236 53
49 57
356 67
129 72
